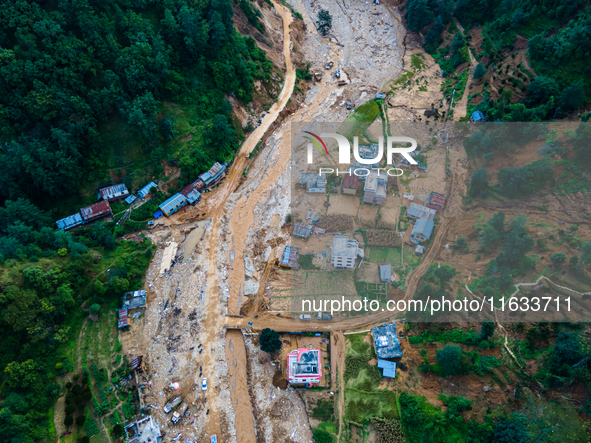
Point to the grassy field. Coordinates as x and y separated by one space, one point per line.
364 399
359 120
385 255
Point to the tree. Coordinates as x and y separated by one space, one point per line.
509 431
572 97
582 144
444 274
574 261
68 421
586 257
479 182
322 436
434 32
324 22
558 259
269 340
118 430
479 72
539 90
95 309
80 420
418 15
450 359
487 330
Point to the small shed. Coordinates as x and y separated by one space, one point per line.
146 191
385 272
478 116
388 367
129 200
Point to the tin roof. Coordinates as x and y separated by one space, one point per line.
137 362
478 116
385 271
112 192
123 320
216 170
351 181
129 200
199 184
389 367
436 199
146 189
97 210
70 221
424 227
191 193
290 256
172 203
302 229
386 341
419 211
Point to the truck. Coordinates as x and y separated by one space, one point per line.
342 83
305 317
324 316
214 438
175 418
172 404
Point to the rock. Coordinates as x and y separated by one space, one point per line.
486 388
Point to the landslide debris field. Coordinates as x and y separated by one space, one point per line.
204 315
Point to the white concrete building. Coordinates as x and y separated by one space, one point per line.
345 252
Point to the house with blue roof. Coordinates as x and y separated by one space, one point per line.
173 204
422 230
388 367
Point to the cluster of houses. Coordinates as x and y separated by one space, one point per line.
190 194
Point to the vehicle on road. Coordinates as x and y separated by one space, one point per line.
342 83
204 384
329 65
324 316
337 74
305 317
214 438
380 95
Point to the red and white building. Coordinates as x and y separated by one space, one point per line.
304 366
